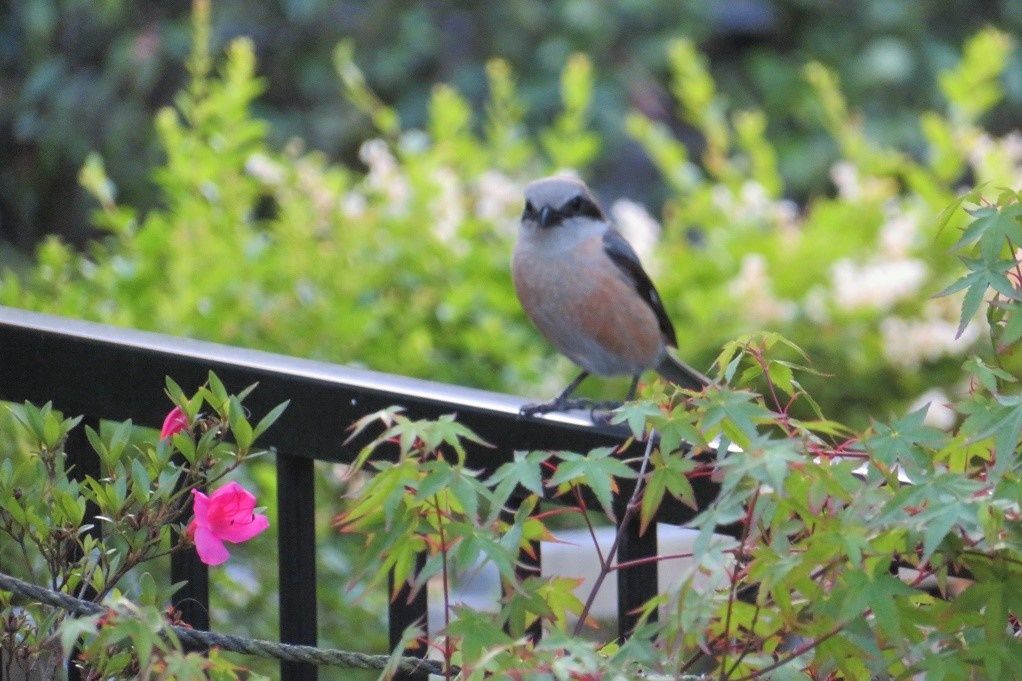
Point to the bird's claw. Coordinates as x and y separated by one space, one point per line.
569 404
535 409
545 407
600 412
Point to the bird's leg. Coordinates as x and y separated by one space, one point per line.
633 389
599 412
561 402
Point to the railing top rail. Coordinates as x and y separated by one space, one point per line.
108 372
80 332
103 371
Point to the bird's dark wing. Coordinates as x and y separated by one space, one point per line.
624 256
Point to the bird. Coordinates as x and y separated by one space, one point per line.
584 288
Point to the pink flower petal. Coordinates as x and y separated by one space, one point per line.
200 507
210 549
235 494
175 422
225 515
243 530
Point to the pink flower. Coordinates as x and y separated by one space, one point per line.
175 422
225 515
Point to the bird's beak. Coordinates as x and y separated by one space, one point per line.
547 217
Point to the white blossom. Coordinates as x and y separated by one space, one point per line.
722 198
263 168
1012 143
498 200
852 185
354 205
447 207
845 176
875 285
996 160
754 197
321 195
752 203
785 213
908 343
637 226
385 175
753 290
815 305
981 147
898 234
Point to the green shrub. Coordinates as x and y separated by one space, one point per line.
886 552
87 76
141 493
403 267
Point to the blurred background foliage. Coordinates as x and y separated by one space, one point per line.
399 260
83 75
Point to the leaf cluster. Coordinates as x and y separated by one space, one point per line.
140 499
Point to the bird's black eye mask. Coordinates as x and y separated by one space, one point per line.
551 217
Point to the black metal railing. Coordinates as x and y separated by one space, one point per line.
103 372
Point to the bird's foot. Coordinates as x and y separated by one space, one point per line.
563 404
556 404
538 408
600 412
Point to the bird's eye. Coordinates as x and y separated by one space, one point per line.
575 205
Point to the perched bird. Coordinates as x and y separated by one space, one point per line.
582 285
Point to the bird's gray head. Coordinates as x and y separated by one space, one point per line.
553 201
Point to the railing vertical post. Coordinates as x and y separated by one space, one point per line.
296 537
82 461
403 613
637 584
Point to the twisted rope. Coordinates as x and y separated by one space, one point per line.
208 639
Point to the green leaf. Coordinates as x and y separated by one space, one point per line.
184 443
176 395
734 412
983 274
247 391
986 374
524 470
937 527
270 418
140 481
667 476
218 393
559 595
597 470
97 445
1011 332
119 440
948 212
635 414
993 228
904 442
240 426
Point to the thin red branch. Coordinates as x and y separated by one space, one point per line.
605 567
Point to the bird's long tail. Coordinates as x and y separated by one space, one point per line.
681 374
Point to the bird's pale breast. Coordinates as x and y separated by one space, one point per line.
586 308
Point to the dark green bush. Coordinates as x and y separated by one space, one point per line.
404 268
79 76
